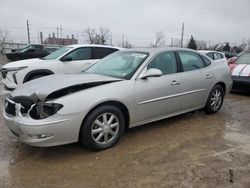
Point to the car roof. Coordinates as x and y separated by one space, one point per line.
208 51
160 49
94 45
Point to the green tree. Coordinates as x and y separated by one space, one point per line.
192 43
227 47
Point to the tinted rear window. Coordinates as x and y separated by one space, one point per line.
99 53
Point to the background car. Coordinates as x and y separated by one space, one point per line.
29 46
32 51
73 58
241 71
232 60
123 90
214 55
229 54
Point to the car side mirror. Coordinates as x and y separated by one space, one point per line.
151 73
67 58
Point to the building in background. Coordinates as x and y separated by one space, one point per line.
60 41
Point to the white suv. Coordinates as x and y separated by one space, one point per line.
69 59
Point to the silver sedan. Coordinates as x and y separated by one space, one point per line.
123 90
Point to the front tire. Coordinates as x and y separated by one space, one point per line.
102 128
215 100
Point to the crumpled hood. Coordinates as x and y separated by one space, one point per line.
241 70
44 86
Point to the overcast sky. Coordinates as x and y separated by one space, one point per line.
138 20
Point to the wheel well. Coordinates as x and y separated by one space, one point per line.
222 85
31 74
117 104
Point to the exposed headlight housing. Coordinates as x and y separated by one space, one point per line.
4 71
14 69
44 110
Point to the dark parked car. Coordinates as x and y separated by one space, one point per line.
30 46
31 51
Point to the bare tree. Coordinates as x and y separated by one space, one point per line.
91 35
201 44
127 44
3 36
103 36
159 39
247 45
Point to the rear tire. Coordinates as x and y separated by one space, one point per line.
215 100
102 128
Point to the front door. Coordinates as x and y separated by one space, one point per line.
158 96
77 60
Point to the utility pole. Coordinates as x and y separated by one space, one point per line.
182 34
28 31
41 37
57 33
61 34
122 40
172 41
111 39
38 38
61 30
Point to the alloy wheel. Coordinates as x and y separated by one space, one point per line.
105 128
216 99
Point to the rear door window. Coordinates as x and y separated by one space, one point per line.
99 53
218 56
206 60
190 61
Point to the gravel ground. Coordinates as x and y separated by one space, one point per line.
191 150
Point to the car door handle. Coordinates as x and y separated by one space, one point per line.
209 76
174 82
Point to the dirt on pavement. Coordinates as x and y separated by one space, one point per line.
191 150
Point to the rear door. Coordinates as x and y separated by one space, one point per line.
159 96
197 79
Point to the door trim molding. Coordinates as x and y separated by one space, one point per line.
170 96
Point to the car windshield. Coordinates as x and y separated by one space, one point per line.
24 50
244 59
122 64
29 46
57 53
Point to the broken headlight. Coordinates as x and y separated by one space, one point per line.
44 110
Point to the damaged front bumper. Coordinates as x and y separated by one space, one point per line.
52 131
